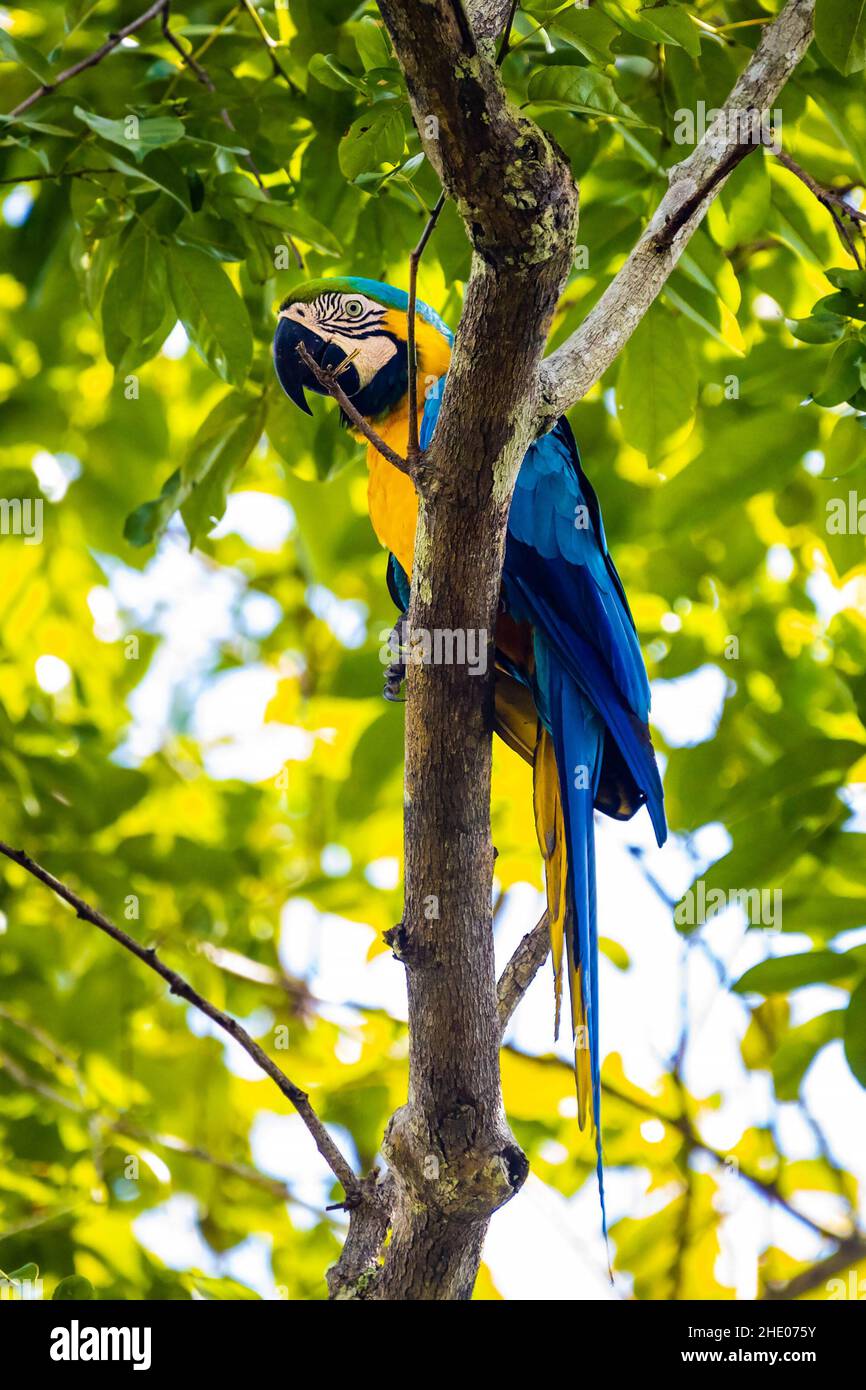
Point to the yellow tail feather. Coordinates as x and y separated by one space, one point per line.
550 829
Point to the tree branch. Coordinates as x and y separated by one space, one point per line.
453 1158
522 969
488 17
335 1160
850 1252
327 379
834 202
412 449
92 58
569 372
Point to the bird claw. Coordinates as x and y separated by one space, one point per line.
395 674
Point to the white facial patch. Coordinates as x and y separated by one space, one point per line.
352 322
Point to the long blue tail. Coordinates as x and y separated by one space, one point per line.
578 740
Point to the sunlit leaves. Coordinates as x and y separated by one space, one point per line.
134 304
374 139
211 311
137 134
855 1033
840 28
219 450
112 776
657 385
784 973
20 51
579 89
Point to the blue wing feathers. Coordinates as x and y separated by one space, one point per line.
589 683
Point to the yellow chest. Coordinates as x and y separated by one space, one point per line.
391 496
392 499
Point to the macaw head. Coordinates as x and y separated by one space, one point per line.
361 326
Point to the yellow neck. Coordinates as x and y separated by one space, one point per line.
391 494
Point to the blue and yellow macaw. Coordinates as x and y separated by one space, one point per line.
572 696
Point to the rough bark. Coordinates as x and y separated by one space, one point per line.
452 1158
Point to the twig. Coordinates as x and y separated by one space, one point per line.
54 174
850 1252
666 237
830 199
203 47
92 59
270 45
190 60
765 1186
328 381
506 34
413 448
466 35
521 970
338 1165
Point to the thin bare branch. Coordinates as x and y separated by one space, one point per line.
576 366
834 201
413 449
270 45
92 59
850 1252
335 1160
488 17
502 52
521 970
328 381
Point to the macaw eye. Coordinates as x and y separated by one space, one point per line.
353 308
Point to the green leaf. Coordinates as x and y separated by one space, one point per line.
159 170
579 89
740 213
211 311
784 973
660 24
819 328
844 451
331 73
842 377
615 952
149 520
138 134
372 44
589 31
139 286
19 51
657 386
199 488
218 452
374 139
74 1288
799 1048
852 280
855 1033
840 28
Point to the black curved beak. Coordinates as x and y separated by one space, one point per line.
293 373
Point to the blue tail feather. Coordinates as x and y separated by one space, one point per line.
578 739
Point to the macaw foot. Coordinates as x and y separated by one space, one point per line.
395 674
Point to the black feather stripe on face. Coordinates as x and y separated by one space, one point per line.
331 316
